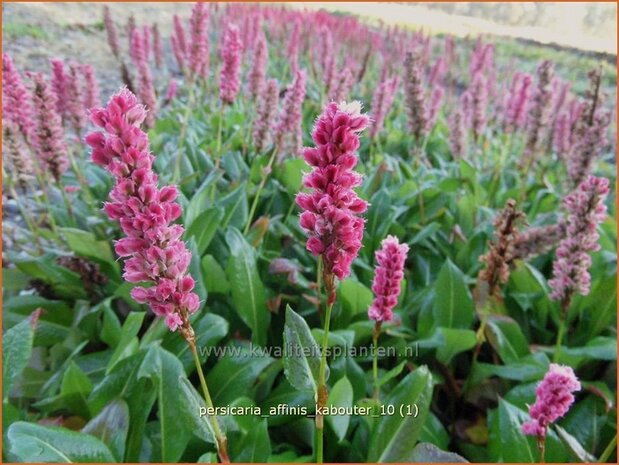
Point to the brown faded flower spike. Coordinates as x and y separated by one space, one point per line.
496 260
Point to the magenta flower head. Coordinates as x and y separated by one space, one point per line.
16 104
387 278
157 46
76 113
152 249
258 67
586 210
170 93
110 28
60 81
48 137
518 101
288 131
266 111
331 211
229 80
146 88
381 103
198 52
91 94
553 399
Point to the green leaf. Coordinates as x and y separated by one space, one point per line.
30 442
429 453
599 348
128 340
215 278
453 306
75 388
195 269
448 342
291 174
85 244
209 330
164 369
506 337
112 427
248 293
16 352
301 353
256 445
340 396
204 227
354 296
192 403
235 374
394 437
508 431
574 447
140 394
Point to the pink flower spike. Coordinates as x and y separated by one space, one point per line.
152 248
157 47
229 80
586 210
48 138
91 95
199 46
15 101
110 28
387 278
331 210
258 70
288 132
76 112
553 399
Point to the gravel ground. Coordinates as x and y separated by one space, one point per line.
74 31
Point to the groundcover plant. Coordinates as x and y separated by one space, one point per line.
293 236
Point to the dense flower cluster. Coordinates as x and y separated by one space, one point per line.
415 100
15 102
539 116
110 28
518 100
381 103
267 109
457 133
48 137
331 211
288 131
19 160
199 46
589 133
157 46
229 80
586 210
146 88
259 64
75 110
537 240
496 260
388 276
152 248
553 399
91 91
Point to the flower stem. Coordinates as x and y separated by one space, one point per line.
560 335
222 442
183 134
609 450
322 388
375 335
541 445
265 175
